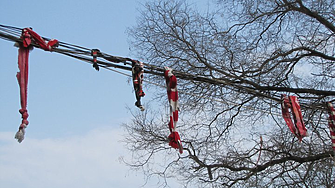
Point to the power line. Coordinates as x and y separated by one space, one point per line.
108 62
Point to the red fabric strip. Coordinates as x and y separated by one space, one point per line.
40 41
331 123
299 123
298 127
286 105
172 93
22 76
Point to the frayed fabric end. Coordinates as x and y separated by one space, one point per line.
20 135
142 108
138 104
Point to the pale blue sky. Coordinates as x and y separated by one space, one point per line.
75 112
63 90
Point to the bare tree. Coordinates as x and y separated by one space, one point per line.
234 61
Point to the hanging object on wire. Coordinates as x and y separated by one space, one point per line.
94 53
28 36
331 123
137 74
172 92
40 41
298 127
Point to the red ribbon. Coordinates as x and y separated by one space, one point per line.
40 41
27 37
331 123
172 92
298 127
22 78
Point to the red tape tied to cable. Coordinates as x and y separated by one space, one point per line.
28 36
297 127
331 123
172 92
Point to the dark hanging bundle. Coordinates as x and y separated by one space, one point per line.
137 73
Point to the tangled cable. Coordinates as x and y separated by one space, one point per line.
103 60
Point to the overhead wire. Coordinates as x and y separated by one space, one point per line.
107 61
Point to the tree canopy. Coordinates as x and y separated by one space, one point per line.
241 56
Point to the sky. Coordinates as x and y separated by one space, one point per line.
75 112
